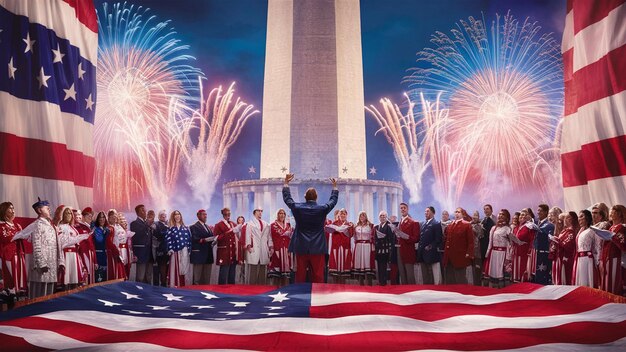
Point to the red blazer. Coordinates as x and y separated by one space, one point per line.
226 243
459 243
407 247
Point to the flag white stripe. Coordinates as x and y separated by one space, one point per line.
23 191
598 39
594 122
608 313
610 190
45 121
568 33
430 296
64 23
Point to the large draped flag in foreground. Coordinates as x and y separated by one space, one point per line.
131 316
593 142
48 52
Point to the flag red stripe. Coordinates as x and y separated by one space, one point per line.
522 288
85 12
589 12
595 81
584 165
13 343
579 333
37 158
569 304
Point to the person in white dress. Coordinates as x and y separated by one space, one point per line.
588 246
500 239
69 238
364 250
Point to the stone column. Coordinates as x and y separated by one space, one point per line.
394 204
380 195
239 207
270 201
245 209
227 199
384 203
358 204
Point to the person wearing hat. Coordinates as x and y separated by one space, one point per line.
47 254
202 240
258 248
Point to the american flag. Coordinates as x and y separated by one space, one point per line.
132 316
593 142
48 52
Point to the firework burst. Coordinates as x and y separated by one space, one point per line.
400 130
144 85
503 97
220 120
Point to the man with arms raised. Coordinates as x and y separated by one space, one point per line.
308 242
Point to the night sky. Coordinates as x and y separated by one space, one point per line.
227 37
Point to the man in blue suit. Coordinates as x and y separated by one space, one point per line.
142 245
308 242
428 255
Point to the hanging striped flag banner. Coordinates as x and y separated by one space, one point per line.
48 54
593 142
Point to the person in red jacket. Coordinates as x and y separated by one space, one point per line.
458 251
226 231
12 260
407 234
612 279
563 250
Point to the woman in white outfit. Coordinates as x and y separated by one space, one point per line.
500 240
587 252
364 250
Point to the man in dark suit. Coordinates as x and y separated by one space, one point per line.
384 244
142 245
428 255
160 249
201 249
308 241
487 223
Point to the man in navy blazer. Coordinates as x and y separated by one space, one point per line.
142 245
202 241
428 255
308 241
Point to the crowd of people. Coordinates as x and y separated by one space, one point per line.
71 247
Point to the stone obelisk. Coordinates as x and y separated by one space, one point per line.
313 112
313 116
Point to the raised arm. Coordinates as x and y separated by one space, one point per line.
334 196
287 193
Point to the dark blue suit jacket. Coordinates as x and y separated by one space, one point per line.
142 241
308 236
430 235
201 253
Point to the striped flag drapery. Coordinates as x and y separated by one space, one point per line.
131 316
593 143
48 52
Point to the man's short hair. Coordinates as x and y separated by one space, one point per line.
224 210
256 210
403 203
488 205
544 207
432 209
139 207
311 194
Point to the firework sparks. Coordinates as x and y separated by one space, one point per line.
502 91
221 119
400 130
143 87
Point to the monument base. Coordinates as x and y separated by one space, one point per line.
355 195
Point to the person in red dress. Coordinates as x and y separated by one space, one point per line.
611 279
525 232
340 262
11 254
86 247
281 262
563 250
115 257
